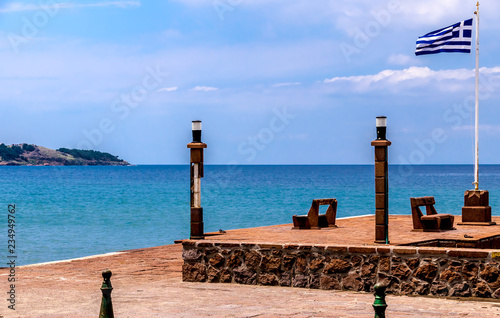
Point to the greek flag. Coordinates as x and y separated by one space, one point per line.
454 38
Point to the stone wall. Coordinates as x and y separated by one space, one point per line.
406 270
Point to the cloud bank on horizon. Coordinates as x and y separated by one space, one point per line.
274 82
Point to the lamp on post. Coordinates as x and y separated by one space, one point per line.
196 128
381 124
381 182
196 147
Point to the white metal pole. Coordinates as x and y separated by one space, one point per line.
476 161
196 186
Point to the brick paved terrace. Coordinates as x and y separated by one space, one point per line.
148 283
356 231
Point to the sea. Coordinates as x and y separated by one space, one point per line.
74 211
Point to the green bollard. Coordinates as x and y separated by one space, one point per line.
106 305
380 305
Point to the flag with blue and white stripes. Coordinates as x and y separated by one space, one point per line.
453 38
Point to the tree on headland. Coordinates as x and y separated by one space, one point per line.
90 155
28 147
10 153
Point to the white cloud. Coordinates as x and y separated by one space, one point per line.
17 6
435 13
99 68
489 129
489 70
297 137
204 88
171 34
401 59
398 76
168 89
195 3
286 84
424 15
119 4
415 72
443 80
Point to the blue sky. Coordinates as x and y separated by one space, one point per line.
274 82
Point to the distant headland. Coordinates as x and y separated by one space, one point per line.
33 155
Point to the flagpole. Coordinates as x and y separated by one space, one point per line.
476 157
476 210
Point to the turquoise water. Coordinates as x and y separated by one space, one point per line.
68 212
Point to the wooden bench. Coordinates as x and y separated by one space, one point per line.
433 221
314 220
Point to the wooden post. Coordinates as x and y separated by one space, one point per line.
381 185
197 231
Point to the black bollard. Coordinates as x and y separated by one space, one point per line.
380 305
106 305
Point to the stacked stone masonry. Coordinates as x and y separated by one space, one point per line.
406 270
